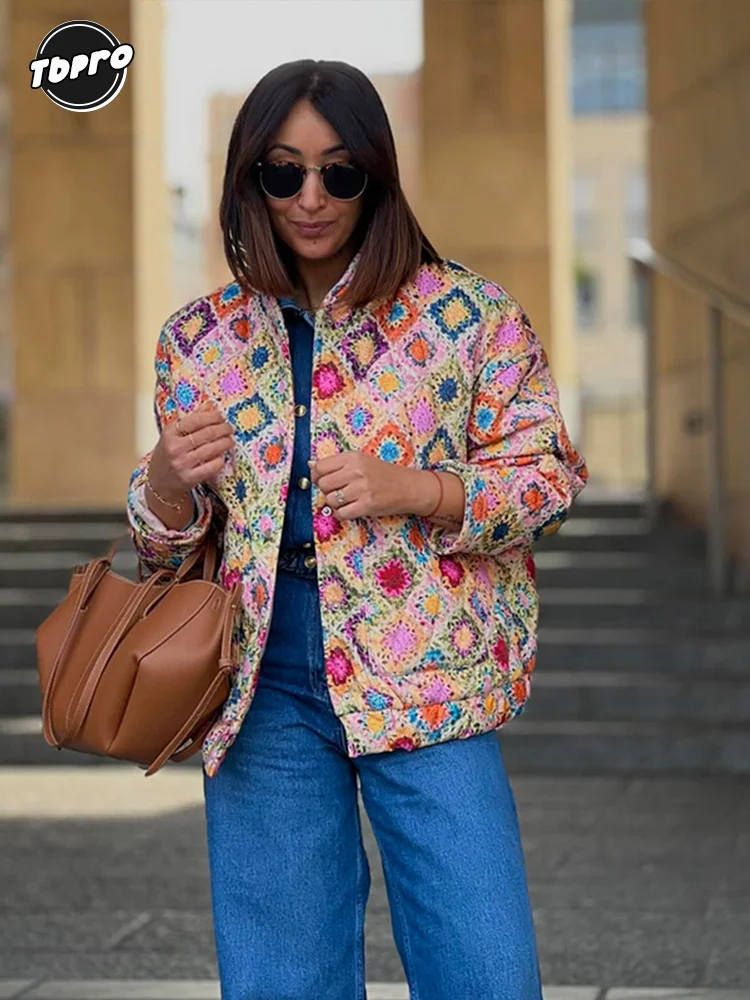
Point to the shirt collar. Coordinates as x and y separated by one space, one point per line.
286 302
331 302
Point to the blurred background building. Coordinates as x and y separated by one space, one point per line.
609 206
537 140
589 155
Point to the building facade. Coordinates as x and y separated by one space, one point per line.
609 203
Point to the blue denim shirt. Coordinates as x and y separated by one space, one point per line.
298 527
297 540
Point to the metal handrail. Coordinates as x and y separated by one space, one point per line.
720 304
642 252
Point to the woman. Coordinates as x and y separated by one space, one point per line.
379 431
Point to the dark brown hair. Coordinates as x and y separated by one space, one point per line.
391 240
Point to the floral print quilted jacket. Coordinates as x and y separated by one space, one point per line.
429 633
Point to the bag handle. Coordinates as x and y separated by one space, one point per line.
93 575
207 552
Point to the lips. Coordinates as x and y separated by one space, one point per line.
312 229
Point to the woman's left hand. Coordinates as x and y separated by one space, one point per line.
371 487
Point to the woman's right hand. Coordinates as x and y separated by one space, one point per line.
190 451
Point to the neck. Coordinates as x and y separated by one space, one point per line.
317 277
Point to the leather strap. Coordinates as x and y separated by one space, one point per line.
225 653
186 729
95 572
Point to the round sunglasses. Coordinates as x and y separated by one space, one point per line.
283 180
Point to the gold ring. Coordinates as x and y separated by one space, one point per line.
193 445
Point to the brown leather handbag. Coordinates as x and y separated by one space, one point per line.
137 670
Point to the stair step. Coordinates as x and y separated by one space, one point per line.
632 748
20 696
27 609
639 607
631 534
22 743
44 515
18 648
30 570
27 746
585 506
90 537
691 579
642 649
591 695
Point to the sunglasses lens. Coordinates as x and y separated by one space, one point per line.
344 181
281 180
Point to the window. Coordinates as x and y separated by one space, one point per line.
587 296
608 71
636 205
584 210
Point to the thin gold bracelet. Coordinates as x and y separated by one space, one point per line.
437 505
174 506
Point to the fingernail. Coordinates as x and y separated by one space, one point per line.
311 462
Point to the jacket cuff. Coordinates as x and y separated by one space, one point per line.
158 545
141 507
444 540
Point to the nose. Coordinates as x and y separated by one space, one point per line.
312 194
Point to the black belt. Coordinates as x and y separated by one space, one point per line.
299 561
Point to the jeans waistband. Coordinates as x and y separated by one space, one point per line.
293 561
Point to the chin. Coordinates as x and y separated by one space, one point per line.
316 249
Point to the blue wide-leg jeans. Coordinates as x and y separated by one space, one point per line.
289 874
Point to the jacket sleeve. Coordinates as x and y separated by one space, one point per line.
156 545
522 472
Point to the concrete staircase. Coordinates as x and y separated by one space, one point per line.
37 554
640 670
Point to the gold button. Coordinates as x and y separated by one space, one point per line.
300 409
303 482
307 545
310 561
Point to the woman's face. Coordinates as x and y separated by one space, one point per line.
312 223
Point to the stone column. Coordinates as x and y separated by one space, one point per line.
496 135
152 250
5 352
75 243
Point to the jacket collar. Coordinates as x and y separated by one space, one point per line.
339 313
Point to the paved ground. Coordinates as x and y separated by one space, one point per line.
635 883
209 990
